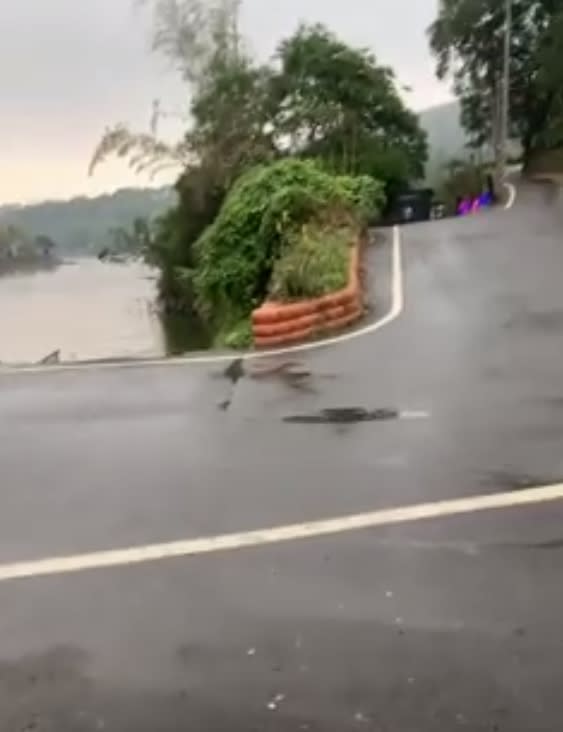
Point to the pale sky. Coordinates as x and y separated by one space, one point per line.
69 68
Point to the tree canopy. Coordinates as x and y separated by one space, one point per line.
318 98
336 102
467 39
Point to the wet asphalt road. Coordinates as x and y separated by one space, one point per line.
428 627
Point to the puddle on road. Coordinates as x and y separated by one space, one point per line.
344 415
553 545
547 321
511 481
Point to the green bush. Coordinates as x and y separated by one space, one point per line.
235 334
365 194
260 218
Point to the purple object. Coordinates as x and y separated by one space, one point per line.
486 199
464 207
472 204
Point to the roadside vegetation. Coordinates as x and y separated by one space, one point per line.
285 229
279 168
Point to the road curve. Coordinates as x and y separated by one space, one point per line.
428 626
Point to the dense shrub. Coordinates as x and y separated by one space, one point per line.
261 217
365 195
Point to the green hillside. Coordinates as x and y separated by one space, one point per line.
84 225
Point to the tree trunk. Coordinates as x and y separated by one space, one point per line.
497 134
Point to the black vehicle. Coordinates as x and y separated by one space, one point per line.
410 206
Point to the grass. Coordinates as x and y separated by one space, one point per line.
235 333
315 263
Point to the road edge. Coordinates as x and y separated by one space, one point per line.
397 306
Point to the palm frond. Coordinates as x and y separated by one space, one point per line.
144 152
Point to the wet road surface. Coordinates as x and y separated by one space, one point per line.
432 626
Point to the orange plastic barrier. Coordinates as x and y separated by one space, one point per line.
279 324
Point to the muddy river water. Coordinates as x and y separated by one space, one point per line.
85 309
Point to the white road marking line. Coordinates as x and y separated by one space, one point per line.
277 535
397 307
511 195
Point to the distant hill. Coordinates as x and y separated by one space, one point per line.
446 138
83 225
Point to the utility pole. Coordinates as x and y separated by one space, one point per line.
505 108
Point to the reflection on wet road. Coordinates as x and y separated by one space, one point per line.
428 626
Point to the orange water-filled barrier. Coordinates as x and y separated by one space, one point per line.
281 324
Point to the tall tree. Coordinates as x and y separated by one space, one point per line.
549 82
467 39
336 101
322 99
192 33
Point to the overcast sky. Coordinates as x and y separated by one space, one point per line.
68 68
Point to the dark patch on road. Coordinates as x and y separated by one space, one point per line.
290 373
235 371
552 545
547 321
555 402
344 415
508 480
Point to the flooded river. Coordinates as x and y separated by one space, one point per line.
88 310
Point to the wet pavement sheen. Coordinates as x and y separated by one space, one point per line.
432 627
